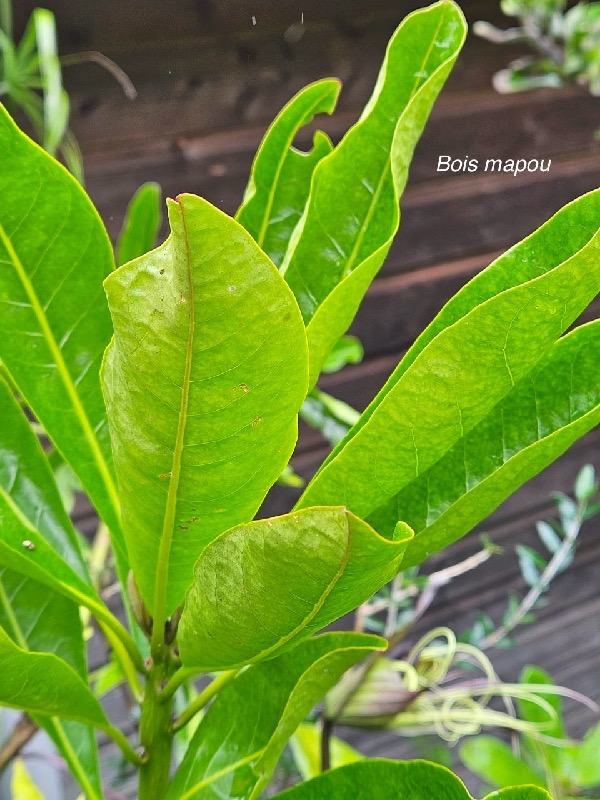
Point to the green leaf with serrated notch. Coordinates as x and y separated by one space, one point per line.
546 412
260 588
42 683
488 339
352 214
54 255
141 223
203 382
238 742
380 779
279 183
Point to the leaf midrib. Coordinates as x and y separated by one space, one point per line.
63 372
164 552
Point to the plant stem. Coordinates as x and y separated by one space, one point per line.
326 731
204 698
108 64
119 738
533 595
155 736
23 731
178 679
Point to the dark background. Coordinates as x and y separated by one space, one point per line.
210 80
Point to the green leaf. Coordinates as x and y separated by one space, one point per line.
261 587
585 766
493 761
41 683
380 779
56 100
240 738
141 224
55 323
427 414
306 749
279 183
43 621
559 758
35 618
548 536
352 213
348 350
37 539
585 483
203 382
532 712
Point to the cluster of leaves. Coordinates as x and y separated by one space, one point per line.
172 386
566 42
559 537
567 769
31 81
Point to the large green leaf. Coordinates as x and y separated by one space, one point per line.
458 378
37 539
54 320
261 587
26 481
494 761
352 214
547 411
203 382
42 683
572 228
141 223
35 618
43 621
379 779
279 183
239 740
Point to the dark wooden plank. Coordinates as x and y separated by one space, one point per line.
114 24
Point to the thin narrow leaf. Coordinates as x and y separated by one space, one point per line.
438 400
280 179
41 683
352 214
261 587
141 224
238 742
380 779
545 413
55 253
203 382
56 100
